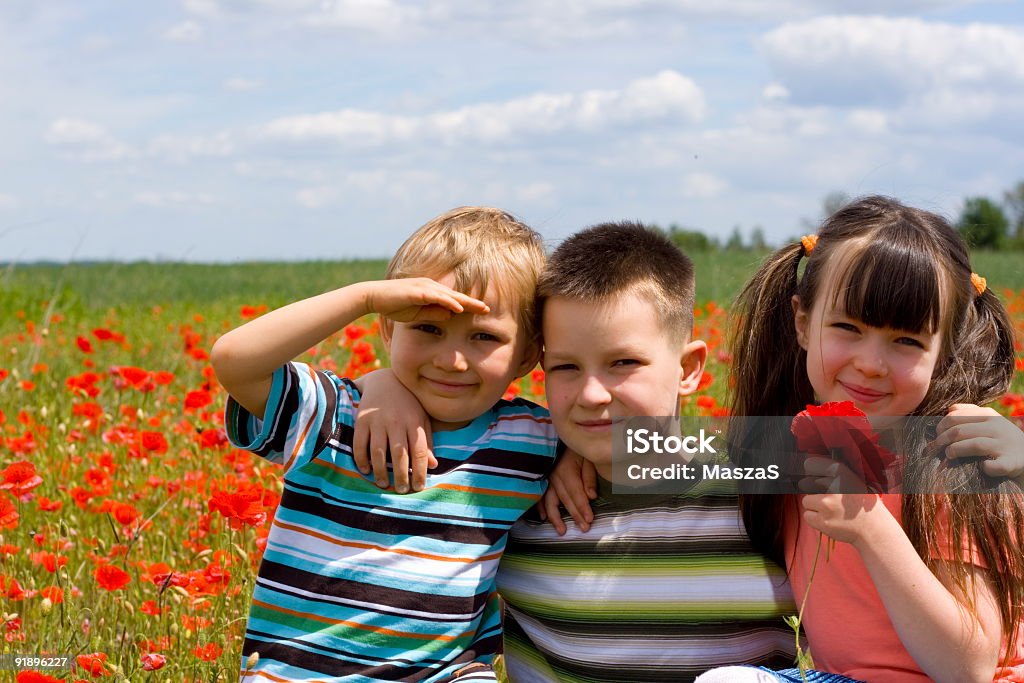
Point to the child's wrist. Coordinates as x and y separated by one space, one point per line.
365 297
878 522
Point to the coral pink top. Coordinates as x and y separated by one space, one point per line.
846 624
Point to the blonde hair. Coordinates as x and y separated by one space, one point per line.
477 244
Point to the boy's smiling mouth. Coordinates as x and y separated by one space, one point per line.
448 386
595 425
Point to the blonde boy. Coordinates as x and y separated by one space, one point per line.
358 582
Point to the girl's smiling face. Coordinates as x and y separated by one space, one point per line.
884 371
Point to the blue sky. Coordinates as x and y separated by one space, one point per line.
226 130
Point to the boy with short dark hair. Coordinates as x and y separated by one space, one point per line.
662 586
357 582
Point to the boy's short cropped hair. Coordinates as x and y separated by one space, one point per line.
478 245
605 260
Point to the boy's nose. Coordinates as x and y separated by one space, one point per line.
451 360
594 392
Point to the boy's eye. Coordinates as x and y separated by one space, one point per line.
561 366
623 362
486 336
427 328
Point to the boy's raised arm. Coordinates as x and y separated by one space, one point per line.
245 358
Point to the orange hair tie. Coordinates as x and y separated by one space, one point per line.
809 242
979 283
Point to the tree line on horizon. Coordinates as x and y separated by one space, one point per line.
985 223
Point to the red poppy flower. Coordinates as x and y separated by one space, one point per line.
154 442
20 478
49 561
242 506
107 335
94 663
84 345
151 661
10 588
163 378
8 513
54 594
134 376
35 677
47 505
354 332
209 652
840 429
111 578
198 399
150 607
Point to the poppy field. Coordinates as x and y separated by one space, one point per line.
130 530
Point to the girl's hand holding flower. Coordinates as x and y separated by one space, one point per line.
847 517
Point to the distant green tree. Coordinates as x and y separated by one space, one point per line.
1014 202
735 241
983 224
691 240
831 203
757 240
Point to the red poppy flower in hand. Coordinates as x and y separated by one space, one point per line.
840 430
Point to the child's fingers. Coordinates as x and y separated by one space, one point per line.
400 464
469 304
963 433
548 508
361 442
815 466
589 474
1009 464
378 457
974 447
814 484
953 420
421 458
575 503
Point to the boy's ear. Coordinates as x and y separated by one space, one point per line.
387 327
800 321
694 355
531 356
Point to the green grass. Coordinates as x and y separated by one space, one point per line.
102 286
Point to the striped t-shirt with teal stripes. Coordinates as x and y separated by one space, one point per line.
661 588
360 584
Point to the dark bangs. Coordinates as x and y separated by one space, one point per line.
897 283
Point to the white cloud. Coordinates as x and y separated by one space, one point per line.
775 92
537 21
86 141
668 97
173 198
184 32
8 201
242 84
869 121
380 16
182 148
317 197
703 185
535 192
845 59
